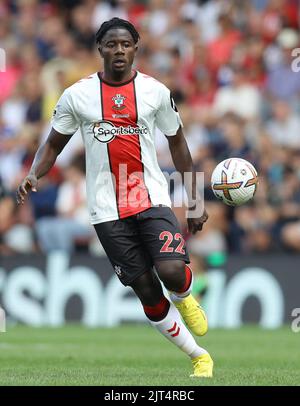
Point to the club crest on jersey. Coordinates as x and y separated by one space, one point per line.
119 102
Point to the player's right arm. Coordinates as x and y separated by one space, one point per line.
44 159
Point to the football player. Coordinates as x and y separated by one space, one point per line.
117 111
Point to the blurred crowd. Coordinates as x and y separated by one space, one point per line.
233 70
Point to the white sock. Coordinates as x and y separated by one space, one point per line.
174 330
178 297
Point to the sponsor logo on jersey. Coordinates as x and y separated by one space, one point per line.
105 131
119 102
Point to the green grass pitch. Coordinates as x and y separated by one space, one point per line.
138 355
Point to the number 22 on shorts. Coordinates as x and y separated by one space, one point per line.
168 237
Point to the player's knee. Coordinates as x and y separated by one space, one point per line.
172 273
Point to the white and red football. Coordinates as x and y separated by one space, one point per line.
234 181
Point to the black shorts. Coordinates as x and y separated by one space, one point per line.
134 243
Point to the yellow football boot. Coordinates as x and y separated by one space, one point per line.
193 315
203 366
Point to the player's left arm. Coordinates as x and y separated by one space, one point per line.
183 163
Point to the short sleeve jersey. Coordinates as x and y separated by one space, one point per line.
117 124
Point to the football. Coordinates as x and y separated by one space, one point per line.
234 181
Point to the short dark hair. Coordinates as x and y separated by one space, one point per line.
117 23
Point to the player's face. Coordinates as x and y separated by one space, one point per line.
118 50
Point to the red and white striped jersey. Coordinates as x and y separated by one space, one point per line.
117 124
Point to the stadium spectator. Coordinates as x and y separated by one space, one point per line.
16 235
240 96
221 48
282 82
71 225
284 126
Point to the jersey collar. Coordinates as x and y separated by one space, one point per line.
116 84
